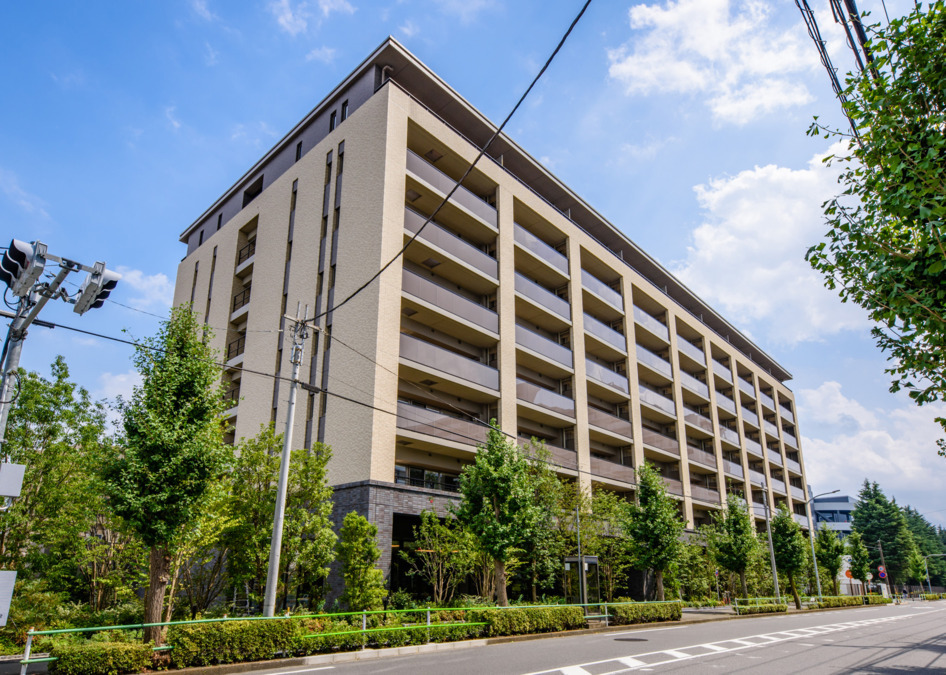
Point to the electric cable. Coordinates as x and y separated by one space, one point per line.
457 185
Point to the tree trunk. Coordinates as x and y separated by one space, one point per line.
836 591
742 582
791 584
500 580
659 574
159 573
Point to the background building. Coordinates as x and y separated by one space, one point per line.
518 302
835 510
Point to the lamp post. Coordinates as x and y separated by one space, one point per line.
929 586
811 536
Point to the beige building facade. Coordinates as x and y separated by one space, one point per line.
517 301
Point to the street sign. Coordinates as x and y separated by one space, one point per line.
882 575
870 577
848 574
881 569
7 581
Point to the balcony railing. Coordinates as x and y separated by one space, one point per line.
444 184
567 459
246 252
544 346
754 447
543 297
543 251
605 333
241 299
790 439
447 241
608 422
544 398
729 435
236 347
801 520
444 360
774 457
691 350
694 385
725 403
770 429
704 494
604 375
444 298
608 469
441 425
722 370
602 290
786 414
746 387
792 465
767 401
655 362
778 485
756 477
797 492
655 439
733 469
701 456
442 484
651 323
674 486
698 420
657 400
232 397
750 417
758 509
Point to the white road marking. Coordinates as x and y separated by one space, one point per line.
645 630
303 670
574 670
676 654
629 662
715 648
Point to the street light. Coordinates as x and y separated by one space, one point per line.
811 536
929 586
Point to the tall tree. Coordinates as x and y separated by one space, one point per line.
733 541
929 543
829 551
860 556
884 249
603 536
172 448
879 519
442 554
654 526
541 550
790 551
358 552
498 505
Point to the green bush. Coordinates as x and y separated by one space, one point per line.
703 603
841 601
322 644
100 658
206 644
525 620
934 596
877 600
761 609
644 612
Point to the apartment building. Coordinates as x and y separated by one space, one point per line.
517 301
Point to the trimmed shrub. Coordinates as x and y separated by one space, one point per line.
841 601
322 644
877 600
206 644
761 609
644 612
934 596
699 604
522 620
101 658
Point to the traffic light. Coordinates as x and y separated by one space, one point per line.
96 288
22 266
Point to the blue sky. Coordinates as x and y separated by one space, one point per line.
681 121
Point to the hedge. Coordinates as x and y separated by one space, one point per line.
934 596
841 601
100 658
524 620
645 612
207 644
877 600
760 609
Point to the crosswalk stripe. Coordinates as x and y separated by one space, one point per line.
629 662
716 648
676 654
574 670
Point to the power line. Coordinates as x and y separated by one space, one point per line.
469 170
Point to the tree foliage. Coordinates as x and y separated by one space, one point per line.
358 552
884 249
732 539
442 555
829 551
603 536
860 556
879 519
790 550
929 542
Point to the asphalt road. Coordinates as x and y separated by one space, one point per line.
888 639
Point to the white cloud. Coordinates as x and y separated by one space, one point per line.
295 20
169 114
748 257
200 9
112 385
465 10
324 54
409 29
341 6
210 55
154 290
11 189
895 447
726 51
647 150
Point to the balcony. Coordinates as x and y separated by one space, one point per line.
246 253
434 423
602 290
693 384
428 355
756 477
543 346
445 299
691 350
704 494
722 370
793 466
241 299
698 420
436 235
746 387
750 417
545 398
729 435
767 401
655 439
651 323
778 486
700 456
733 469
657 400
603 375
759 509
786 414
608 422
797 493
566 459
774 457
236 347
725 403
655 362
543 297
608 469
770 428
801 520
790 439
754 447
674 486
540 249
605 333
443 183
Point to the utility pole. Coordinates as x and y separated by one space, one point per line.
880 546
768 529
299 334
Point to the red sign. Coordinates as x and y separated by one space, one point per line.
848 574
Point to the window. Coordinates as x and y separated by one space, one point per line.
292 200
328 167
324 227
341 163
336 219
344 110
253 191
332 121
298 151
200 238
219 220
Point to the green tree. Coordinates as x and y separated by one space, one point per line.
603 536
542 549
694 572
498 503
884 249
442 555
928 542
790 550
829 551
358 552
860 556
654 526
173 447
879 519
733 541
